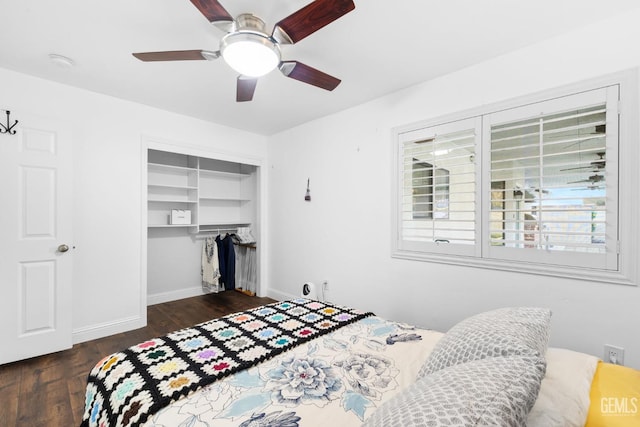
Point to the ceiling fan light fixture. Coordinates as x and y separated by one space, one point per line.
250 54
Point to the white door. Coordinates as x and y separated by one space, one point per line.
35 226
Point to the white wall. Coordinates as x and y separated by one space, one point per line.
107 216
343 234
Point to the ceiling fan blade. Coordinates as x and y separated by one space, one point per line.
595 165
306 74
245 88
310 19
212 10
177 55
589 187
592 179
578 168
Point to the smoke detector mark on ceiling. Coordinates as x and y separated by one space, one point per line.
61 61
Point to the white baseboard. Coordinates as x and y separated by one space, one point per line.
283 296
153 299
102 330
279 295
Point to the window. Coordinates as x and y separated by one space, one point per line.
531 187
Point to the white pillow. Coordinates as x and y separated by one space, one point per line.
564 393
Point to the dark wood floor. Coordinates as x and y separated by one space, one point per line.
49 390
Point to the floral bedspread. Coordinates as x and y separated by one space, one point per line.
335 380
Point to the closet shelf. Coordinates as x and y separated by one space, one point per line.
182 187
225 223
171 201
171 225
207 172
217 193
224 199
163 167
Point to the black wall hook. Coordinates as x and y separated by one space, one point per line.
7 128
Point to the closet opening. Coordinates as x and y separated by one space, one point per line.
203 228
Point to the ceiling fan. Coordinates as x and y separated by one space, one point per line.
593 179
599 130
595 166
252 52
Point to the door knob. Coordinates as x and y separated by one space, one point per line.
63 248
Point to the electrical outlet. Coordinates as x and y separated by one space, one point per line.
325 285
613 354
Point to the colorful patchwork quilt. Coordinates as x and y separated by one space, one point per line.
127 387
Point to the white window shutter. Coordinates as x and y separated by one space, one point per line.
438 189
552 174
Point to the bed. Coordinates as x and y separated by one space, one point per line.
309 363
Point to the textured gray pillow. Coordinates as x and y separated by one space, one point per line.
501 332
496 391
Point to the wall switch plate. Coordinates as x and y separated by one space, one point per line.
613 354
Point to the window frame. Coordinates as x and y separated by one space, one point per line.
628 155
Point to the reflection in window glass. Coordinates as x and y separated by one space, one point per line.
548 182
430 193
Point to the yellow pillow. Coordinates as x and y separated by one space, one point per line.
615 397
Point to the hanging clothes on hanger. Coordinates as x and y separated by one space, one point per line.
245 268
227 261
210 266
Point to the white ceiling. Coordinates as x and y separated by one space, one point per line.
380 47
